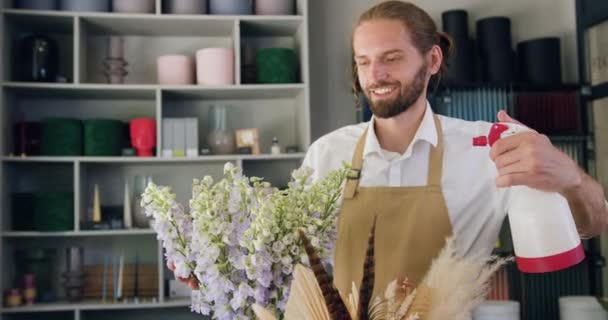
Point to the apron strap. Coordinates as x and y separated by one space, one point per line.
436 157
353 177
435 163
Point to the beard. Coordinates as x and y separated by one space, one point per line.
408 95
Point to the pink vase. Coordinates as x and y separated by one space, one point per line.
175 69
143 136
215 66
274 7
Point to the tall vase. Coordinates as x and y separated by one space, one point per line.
140 220
220 139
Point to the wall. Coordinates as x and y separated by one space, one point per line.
330 31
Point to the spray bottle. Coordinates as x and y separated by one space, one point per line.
544 235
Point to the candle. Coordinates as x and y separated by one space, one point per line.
104 280
120 276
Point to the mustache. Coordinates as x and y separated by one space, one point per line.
383 84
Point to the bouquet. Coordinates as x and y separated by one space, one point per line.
450 290
239 236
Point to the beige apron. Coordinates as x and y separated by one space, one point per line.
411 228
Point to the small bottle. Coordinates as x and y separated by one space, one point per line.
275 148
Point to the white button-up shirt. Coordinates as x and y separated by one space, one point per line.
475 205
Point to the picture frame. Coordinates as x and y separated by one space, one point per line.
248 139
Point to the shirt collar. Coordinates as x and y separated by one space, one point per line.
426 132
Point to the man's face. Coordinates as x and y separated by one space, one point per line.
392 72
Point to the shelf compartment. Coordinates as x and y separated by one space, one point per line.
58 28
111 178
287 33
146 39
278 117
95 252
35 104
30 184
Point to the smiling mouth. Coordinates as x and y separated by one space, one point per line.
383 91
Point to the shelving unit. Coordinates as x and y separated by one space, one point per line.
281 110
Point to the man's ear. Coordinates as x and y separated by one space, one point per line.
436 58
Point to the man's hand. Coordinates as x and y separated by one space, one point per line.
530 159
191 282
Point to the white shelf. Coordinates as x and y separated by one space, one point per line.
91 233
147 91
65 306
217 158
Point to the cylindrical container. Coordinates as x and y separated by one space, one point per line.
498 66
74 259
103 137
231 7
61 137
37 4
581 308
462 62
456 23
13 297
29 288
540 61
175 69
39 57
143 136
186 6
494 34
274 7
276 65
215 66
133 6
54 211
497 310
248 69
544 235
220 139
85 5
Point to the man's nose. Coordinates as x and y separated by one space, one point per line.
379 71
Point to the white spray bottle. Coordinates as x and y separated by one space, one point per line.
544 235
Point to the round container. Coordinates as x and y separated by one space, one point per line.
61 137
85 5
274 7
103 137
37 4
498 66
494 34
540 61
581 308
231 7
276 65
462 62
175 69
133 6
456 23
54 211
186 6
215 66
497 310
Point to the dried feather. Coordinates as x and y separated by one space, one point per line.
367 283
335 305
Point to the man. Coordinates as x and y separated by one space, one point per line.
417 172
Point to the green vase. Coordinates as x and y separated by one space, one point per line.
54 211
61 137
103 137
276 65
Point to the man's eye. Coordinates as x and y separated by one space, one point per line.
362 63
392 59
